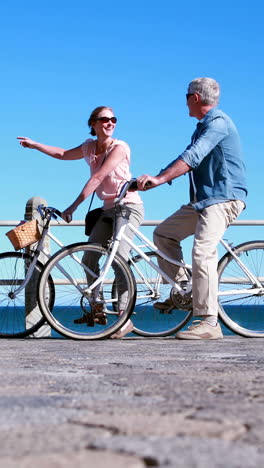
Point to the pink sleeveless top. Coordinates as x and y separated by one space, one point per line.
110 187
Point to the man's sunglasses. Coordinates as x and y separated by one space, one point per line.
188 95
107 119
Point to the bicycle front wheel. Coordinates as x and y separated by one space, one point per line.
241 302
147 320
80 310
19 312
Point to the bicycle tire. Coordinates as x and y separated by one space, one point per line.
15 321
148 321
242 314
73 303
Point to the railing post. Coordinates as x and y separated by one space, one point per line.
33 313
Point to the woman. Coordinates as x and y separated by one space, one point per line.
109 161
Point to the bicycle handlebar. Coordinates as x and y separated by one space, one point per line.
48 212
129 185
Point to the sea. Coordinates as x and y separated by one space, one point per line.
151 320
147 319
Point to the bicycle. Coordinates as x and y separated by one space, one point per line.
21 313
240 271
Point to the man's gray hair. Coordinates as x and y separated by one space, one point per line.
207 88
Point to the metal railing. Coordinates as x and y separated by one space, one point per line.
243 222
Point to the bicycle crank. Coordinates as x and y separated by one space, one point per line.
181 302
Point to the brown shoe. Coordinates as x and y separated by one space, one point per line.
83 319
201 330
97 315
86 318
167 304
100 318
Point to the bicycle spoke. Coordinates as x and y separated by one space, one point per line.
81 311
147 320
243 313
19 313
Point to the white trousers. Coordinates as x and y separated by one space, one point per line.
208 227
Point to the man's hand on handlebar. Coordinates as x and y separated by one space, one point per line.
146 182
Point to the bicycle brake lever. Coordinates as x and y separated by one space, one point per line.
57 213
134 185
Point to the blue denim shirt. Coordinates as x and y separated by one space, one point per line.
214 154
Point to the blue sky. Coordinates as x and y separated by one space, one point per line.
60 60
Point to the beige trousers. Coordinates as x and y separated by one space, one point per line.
208 227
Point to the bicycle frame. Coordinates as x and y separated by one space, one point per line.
122 236
154 248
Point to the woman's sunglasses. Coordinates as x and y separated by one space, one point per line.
107 119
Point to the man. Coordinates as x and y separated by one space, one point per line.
217 196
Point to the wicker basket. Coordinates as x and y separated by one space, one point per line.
24 234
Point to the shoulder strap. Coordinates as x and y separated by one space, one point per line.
91 201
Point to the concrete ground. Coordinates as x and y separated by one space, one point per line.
132 403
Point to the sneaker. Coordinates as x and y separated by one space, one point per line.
201 330
127 328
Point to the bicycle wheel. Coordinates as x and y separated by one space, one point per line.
147 320
19 314
242 313
74 314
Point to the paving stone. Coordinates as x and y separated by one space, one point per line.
81 459
147 402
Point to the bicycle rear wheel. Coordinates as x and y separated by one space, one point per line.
19 314
242 313
74 268
147 320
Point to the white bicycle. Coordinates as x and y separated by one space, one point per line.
89 277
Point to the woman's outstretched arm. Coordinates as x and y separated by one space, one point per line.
53 151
